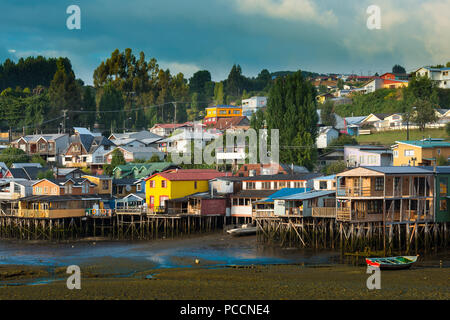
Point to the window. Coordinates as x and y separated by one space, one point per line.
41 146
237 112
163 184
372 159
395 153
152 201
443 187
397 183
409 153
162 200
379 184
439 151
443 205
138 187
322 185
265 185
45 190
105 185
251 186
195 184
282 185
298 184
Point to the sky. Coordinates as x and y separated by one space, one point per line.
325 36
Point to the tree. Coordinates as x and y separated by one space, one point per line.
198 82
117 159
323 88
48 174
89 106
235 81
421 88
335 168
38 159
154 158
327 114
64 92
291 108
340 84
448 64
424 113
447 128
11 155
111 99
398 69
218 93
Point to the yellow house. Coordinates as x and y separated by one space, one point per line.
221 111
173 184
420 152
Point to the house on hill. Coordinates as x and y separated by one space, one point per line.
47 146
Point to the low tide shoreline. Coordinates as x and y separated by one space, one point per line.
233 282
213 266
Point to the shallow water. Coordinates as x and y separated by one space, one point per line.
210 250
126 259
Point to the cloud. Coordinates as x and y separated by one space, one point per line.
295 10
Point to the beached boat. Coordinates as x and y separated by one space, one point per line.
402 262
245 230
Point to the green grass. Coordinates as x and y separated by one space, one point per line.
389 137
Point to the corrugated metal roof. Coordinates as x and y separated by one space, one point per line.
399 170
285 192
284 177
306 195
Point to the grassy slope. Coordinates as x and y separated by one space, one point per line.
389 137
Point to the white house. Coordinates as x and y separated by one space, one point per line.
250 106
325 136
441 76
133 153
325 183
181 142
372 85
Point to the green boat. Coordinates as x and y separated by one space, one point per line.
392 263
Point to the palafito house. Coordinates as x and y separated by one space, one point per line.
385 193
420 152
176 183
59 198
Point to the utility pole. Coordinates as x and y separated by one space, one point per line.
175 115
64 120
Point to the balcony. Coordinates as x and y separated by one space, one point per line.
359 192
324 212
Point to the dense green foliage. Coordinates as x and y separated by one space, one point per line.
291 108
29 72
11 155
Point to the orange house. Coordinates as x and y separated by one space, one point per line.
63 187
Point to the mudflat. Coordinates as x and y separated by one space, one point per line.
249 282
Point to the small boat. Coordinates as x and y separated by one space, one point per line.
245 230
392 263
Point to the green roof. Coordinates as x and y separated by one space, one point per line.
140 170
426 143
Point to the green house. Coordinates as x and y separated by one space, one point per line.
141 170
442 204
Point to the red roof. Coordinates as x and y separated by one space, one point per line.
228 123
173 125
190 174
